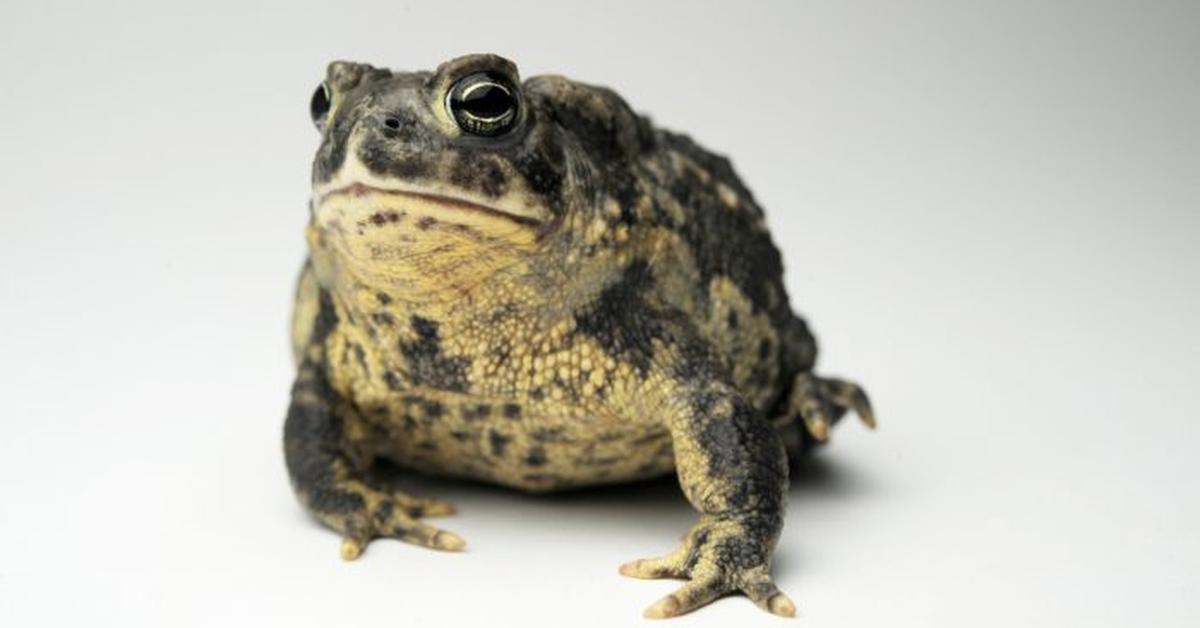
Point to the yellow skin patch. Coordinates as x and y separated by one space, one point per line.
572 300
590 416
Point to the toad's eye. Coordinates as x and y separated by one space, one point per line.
319 105
483 104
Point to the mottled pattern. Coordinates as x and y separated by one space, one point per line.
577 300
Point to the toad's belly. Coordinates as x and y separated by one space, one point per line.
497 443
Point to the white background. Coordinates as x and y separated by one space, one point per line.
990 213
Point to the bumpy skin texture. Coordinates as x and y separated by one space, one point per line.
581 299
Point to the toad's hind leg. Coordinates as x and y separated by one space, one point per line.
818 403
335 489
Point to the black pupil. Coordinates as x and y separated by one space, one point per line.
319 105
483 100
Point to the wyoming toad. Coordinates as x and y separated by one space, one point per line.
527 283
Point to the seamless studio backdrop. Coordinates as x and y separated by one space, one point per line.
989 212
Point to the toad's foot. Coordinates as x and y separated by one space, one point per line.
718 556
336 490
820 402
390 514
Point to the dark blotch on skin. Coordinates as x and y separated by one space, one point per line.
425 328
536 457
694 553
475 412
327 318
609 437
382 218
361 356
753 545
512 411
479 172
610 133
497 442
621 321
433 409
384 511
757 263
744 253
730 442
544 169
378 155
332 153
311 437
723 443
502 354
695 360
427 365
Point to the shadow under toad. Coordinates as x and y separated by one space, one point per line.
648 509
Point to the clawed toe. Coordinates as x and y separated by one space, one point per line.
782 605
687 598
409 531
396 516
821 402
758 585
426 507
817 426
652 568
708 575
851 396
425 535
352 548
700 592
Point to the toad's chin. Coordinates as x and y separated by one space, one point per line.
418 244
447 205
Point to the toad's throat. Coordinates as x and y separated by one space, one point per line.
357 190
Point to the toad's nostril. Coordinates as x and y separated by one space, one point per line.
392 123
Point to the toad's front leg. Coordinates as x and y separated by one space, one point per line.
733 469
333 484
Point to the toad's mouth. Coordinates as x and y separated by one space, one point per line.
440 201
